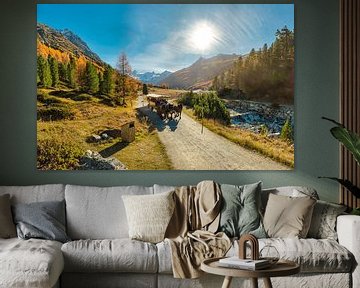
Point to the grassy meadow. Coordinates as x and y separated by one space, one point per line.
67 119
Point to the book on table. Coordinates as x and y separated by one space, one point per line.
236 262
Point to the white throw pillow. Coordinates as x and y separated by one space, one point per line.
149 215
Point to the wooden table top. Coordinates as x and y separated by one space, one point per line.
281 268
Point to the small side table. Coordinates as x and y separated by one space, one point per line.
281 268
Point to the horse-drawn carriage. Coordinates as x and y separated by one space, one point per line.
165 109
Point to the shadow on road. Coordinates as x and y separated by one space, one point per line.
155 120
107 152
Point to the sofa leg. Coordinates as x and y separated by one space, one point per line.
254 282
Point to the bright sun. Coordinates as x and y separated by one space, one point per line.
202 36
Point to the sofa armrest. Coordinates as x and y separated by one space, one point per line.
348 230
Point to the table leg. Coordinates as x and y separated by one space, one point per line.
267 283
227 282
254 282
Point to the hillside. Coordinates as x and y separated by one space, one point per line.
201 73
65 43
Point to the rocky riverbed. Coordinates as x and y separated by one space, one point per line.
255 116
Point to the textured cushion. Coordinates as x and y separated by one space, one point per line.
287 216
291 191
44 220
31 263
323 222
240 213
118 255
7 227
35 193
98 213
149 215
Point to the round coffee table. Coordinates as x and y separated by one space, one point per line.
281 268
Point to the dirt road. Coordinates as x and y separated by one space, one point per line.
189 149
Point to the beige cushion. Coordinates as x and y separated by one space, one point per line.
287 217
149 215
110 255
7 226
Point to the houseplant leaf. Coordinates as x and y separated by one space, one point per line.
348 138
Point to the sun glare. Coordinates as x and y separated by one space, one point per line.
202 36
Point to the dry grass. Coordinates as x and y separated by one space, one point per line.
92 117
172 93
274 148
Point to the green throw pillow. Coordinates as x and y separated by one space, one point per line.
240 213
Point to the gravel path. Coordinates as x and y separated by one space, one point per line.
189 149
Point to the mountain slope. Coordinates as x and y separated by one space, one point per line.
66 42
201 73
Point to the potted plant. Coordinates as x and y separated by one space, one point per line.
351 141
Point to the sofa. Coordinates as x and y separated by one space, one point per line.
100 253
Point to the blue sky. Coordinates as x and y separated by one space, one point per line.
158 37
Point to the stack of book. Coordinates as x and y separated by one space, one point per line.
248 264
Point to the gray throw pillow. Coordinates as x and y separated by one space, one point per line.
7 226
240 213
43 220
323 222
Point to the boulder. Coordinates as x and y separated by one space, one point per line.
92 160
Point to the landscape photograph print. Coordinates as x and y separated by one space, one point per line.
165 86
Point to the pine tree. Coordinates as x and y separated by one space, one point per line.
72 73
63 72
145 89
107 83
286 131
44 72
91 78
54 69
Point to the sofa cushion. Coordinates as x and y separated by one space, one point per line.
30 263
323 222
42 220
98 213
291 191
7 226
117 255
240 210
149 215
313 255
35 193
287 216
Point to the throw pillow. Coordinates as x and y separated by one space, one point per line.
288 217
43 220
240 213
149 215
323 222
7 227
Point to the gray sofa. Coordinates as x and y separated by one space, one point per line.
101 255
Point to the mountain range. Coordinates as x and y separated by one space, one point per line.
151 77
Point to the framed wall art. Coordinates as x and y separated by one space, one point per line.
165 86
